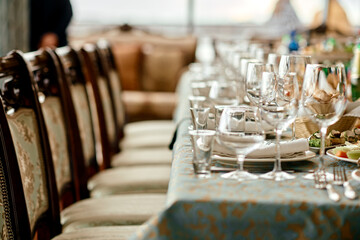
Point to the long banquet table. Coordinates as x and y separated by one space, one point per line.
218 208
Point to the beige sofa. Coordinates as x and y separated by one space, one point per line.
149 66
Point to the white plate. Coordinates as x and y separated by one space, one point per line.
331 154
356 174
232 160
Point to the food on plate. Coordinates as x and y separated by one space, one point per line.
349 136
354 154
351 151
315 141
341 154
335 138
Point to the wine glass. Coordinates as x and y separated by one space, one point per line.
274 59
296 64
253 80
279 106
323 100
224 92
240 130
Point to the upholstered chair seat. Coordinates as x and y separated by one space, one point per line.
130 209
147 179
146 141
99 233
144 157
149 127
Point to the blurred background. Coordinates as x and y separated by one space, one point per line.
155 41
197 16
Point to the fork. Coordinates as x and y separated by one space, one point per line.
348 190
340 178
322 183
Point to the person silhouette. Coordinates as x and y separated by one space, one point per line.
49 20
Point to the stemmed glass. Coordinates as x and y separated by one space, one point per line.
296 64
224 92
240 130
274 59
279 106
253 80
323 100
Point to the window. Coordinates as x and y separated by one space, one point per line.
205 12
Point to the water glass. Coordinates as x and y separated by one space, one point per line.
199 117
202 141
197 101
218 111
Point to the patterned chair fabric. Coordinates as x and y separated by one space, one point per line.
81 104
108 111
116 93
55 125
25 134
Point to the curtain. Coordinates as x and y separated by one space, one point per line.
14 25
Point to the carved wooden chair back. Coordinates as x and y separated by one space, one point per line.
27 144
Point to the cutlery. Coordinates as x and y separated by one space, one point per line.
322 183
348 190
340 178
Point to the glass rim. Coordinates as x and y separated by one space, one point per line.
240 107
325 65
193 97
296 55
199 108
207 132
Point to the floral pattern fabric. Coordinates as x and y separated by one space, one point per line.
81 104
25 134
116 92
108 112
55 125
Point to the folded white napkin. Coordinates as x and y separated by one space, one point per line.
267 150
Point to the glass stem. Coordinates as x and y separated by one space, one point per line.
323 131
277 165
293 131
240 162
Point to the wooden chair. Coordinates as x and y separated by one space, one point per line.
134 179
14 219
65 144
27 144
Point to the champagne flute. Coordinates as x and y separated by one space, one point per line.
296 64
240 130
324 101
279 106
